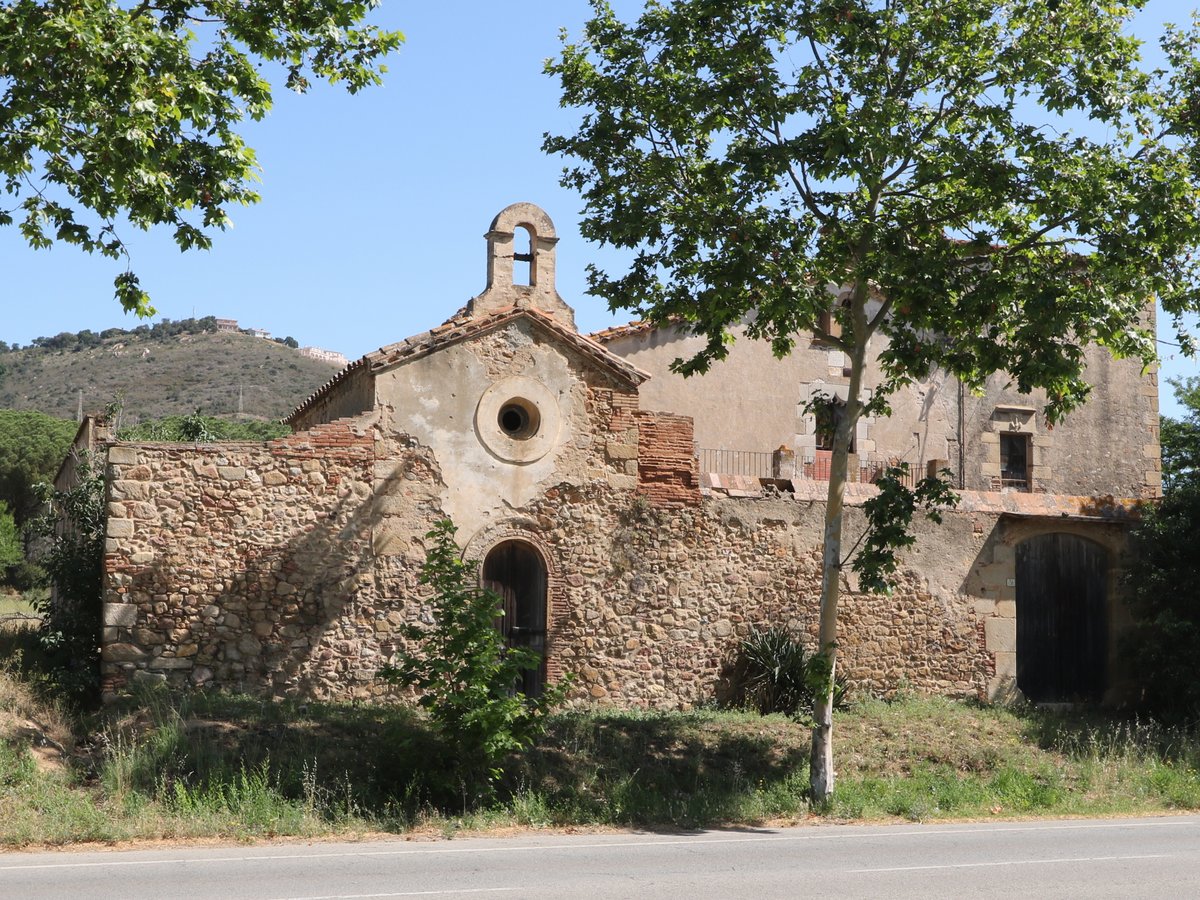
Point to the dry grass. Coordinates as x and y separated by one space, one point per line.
226 766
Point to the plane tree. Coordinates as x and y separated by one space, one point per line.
972 186
116 114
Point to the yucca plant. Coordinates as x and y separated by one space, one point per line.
771 673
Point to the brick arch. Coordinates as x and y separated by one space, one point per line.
527 531
517 529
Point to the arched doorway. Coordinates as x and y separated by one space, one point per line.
1062 618
515 571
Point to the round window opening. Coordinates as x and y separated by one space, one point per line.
519 419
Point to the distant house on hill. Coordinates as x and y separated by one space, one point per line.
329 356
227 326
258 333
624 557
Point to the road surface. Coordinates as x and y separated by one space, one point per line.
1157 857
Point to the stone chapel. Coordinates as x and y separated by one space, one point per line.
635 523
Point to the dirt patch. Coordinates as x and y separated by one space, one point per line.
48 754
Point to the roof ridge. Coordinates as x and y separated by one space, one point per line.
459 328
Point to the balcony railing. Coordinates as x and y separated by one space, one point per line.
753 463
785 464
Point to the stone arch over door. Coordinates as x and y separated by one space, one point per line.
1062 618
516 571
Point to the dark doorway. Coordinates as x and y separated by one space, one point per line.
515 571
1062 619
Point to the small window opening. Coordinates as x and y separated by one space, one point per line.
524 269
829 325
1014 460
519 419
827 321
827 426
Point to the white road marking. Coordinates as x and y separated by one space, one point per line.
818 834
402 894
1009 862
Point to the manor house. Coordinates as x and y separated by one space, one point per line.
636 523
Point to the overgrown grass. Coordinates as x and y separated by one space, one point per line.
15 606
239 767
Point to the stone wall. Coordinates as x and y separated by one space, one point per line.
1110 445
656 599
289 568
241 564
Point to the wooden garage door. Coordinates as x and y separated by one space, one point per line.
1062 618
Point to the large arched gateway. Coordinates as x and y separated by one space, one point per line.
515 571
1062 618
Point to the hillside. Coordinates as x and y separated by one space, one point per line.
161 376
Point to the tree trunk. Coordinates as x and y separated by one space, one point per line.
820 766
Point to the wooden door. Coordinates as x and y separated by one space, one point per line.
515 571
1062 618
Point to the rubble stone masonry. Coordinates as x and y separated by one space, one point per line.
289 567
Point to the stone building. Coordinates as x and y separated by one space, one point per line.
569 465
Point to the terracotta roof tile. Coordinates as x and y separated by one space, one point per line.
620 331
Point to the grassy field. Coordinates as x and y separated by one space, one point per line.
213 765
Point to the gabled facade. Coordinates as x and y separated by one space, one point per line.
291 567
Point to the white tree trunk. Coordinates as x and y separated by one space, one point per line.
821 774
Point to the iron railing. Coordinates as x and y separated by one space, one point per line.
753 463
759 464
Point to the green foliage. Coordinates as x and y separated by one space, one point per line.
889 522
1163 578
112 112
752 154
159 331
465 676
11 550
73 531
1180 438
27 575
1163 574
195 429
772 673
32 447
198 428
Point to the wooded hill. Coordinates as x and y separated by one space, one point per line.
159 371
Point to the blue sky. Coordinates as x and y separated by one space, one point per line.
374 206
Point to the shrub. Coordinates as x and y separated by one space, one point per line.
1164 580
465 675
73 528
772 673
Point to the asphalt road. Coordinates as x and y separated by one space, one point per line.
1157 858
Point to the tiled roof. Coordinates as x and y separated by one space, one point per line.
461 327
324 389
620 331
